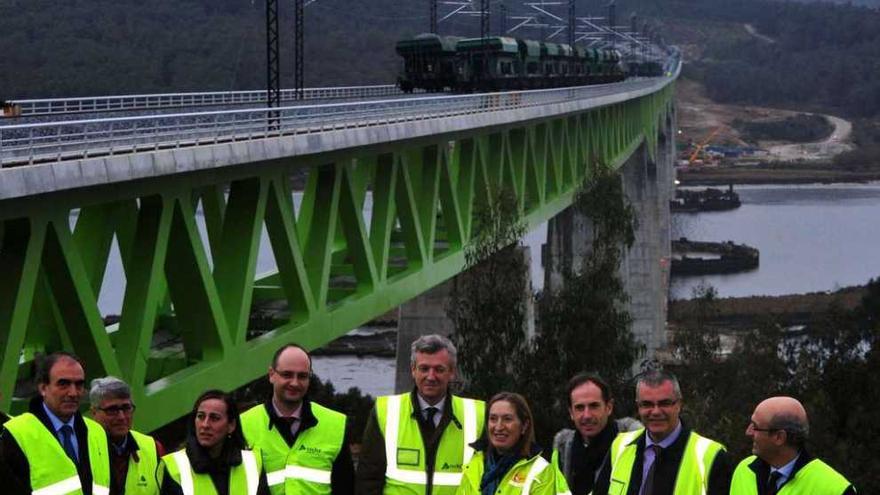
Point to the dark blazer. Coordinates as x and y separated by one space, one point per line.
342 474
762 472
667 468
16 463
372 462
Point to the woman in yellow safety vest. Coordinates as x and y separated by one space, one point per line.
507 461
214 460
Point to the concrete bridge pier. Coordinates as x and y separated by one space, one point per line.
426 314
648 184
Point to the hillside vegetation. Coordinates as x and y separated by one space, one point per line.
821 56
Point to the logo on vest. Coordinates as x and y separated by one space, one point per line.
142 481
447 466
309 450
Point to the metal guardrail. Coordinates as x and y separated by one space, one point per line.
60 106
27 144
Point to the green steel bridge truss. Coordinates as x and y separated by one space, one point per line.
374 228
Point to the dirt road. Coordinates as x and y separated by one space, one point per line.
838 142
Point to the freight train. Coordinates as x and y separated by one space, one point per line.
439 63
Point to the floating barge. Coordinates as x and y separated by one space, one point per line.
709 199
726 257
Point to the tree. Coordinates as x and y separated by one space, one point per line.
488 303
584 325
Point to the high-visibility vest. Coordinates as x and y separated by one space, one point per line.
141 476
244 479
306 466
533 476
406 472
693 472
815 478
52 471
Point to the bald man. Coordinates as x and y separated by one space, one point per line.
781 464
303 444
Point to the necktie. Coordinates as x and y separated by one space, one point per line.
430 412
66 432
773 482
648 485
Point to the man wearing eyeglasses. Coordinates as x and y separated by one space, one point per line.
666 457
779 429
52 448
134 457
304 445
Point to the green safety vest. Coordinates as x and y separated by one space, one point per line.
141 476
306 467
534 476
405 470
52 472
693 472
814 478
244 479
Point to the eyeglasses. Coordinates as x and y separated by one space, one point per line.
754 427
662 404
290 375
121 408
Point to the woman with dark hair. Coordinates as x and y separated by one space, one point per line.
215 460
507 461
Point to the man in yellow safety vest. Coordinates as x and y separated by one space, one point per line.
304 446
52 448
418 443
781 463
134 456
665 457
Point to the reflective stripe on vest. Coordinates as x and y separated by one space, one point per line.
692 476
141 475
306 466
61 488
814 477
246 475
392 420
539 465
52 472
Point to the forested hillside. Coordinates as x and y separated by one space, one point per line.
816 55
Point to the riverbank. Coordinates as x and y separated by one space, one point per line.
739 313
813 173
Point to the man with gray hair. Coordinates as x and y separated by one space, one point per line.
666 457
779 429
418 442
134 457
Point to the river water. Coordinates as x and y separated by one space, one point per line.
811 238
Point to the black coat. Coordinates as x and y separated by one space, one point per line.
372 462
762 472
16 464
667 468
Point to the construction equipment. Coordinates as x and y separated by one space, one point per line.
702 144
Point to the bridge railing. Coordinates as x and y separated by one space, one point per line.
66 140
58 106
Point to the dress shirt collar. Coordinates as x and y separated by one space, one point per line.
785 471
56 421
423 404
666 442
297 414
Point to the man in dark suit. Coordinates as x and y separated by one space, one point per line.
52 447
666 457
